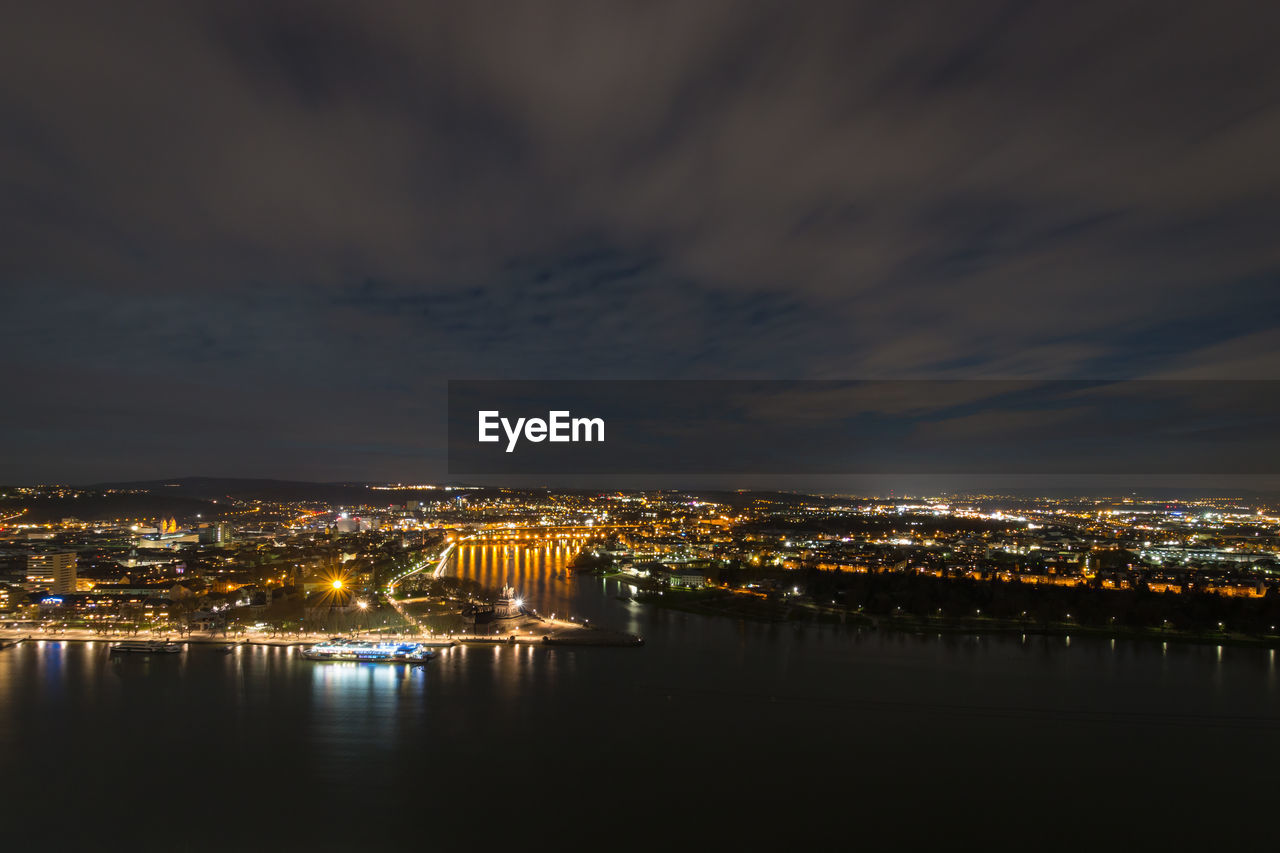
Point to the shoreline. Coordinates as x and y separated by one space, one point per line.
778 613
1068 631
579 637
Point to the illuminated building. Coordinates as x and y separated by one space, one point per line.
110 606
169 540
689 578
214 534
350 525
55 570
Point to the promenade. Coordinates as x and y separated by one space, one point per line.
539 632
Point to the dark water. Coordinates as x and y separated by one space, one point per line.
716 734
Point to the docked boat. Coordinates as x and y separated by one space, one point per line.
361 650
151 647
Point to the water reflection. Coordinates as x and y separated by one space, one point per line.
385 735
540 574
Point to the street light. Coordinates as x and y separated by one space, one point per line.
363 605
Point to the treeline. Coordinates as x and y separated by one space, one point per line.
848 525
900 593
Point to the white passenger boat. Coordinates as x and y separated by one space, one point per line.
361 650
145 647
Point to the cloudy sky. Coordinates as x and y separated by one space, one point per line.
255 239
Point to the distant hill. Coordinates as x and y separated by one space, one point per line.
116 507
219 488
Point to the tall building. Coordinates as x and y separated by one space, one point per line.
218 533
351 525
56 570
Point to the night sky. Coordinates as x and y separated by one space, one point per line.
255 239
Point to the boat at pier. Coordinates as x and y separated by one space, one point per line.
362 650
145 647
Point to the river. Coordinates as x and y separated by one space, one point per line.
717 731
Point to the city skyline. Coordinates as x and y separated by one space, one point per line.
682 424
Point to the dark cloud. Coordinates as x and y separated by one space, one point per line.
295 220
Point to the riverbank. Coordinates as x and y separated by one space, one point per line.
943 625
760 608
741 605
539 632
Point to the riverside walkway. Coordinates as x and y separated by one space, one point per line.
548 635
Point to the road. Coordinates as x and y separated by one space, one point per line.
413 570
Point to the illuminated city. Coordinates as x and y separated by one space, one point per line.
733 425
250 569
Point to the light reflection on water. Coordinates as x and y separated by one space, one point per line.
540 574
733 706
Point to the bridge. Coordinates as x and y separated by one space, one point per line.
545 533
